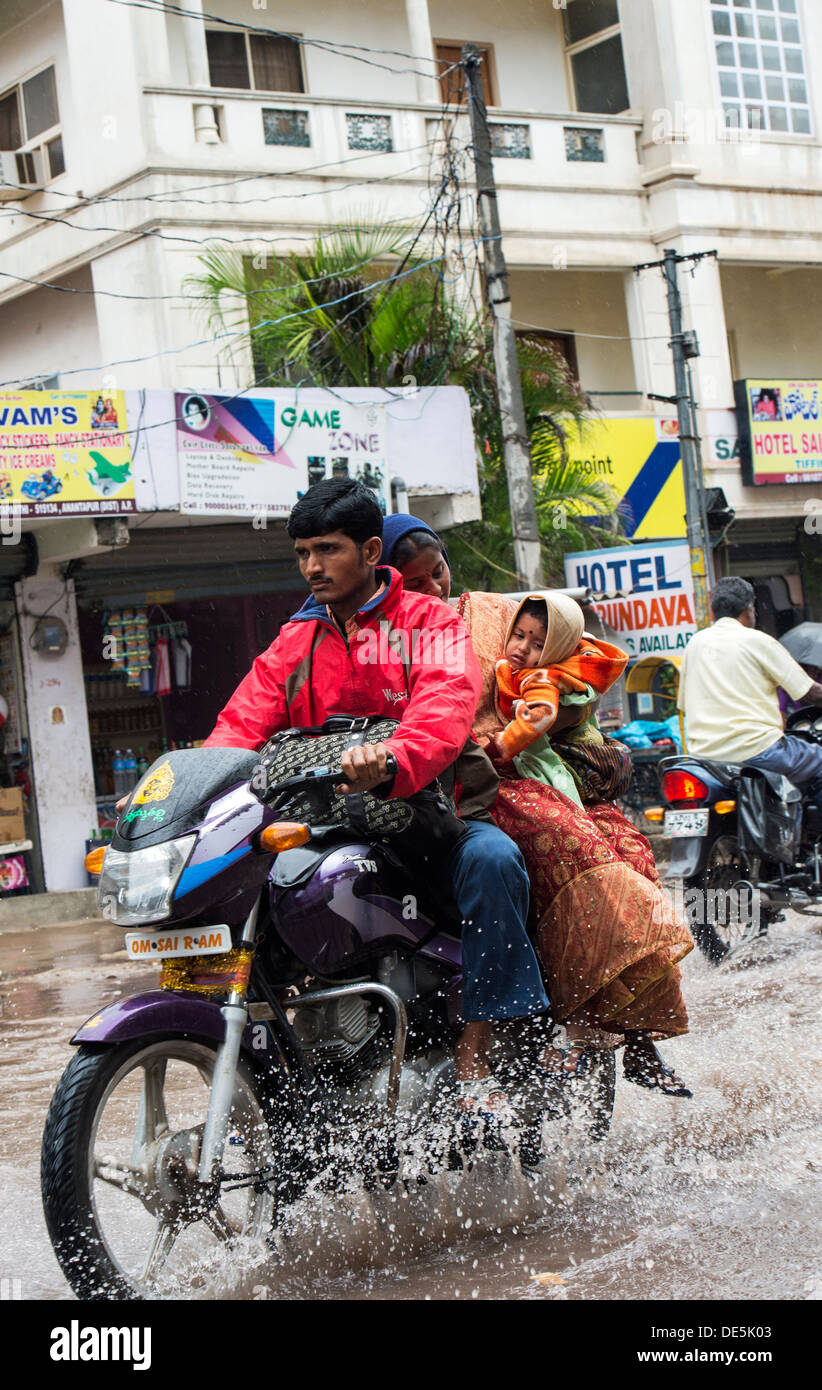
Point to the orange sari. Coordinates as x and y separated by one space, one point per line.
607 935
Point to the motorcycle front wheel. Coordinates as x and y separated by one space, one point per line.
125 1213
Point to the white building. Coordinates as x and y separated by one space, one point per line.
145 134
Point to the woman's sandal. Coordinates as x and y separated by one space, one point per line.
649 1070
483 1103
568 1061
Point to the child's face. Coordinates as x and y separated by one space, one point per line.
524 646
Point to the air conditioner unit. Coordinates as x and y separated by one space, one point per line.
20 170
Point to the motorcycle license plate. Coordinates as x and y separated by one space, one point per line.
681 823
156 945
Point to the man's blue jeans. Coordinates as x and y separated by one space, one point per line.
489 883
797 760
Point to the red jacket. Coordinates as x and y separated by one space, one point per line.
411 660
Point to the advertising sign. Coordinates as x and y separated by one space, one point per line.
255 455
65 453
652 607
780 430
639 458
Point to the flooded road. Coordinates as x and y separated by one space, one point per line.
715 1198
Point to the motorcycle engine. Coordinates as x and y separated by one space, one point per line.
338 1035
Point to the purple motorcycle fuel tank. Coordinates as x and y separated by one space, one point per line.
337 906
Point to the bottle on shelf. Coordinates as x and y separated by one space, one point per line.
130 770
119 773
142 763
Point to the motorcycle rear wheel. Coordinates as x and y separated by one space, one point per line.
124 1212
726 866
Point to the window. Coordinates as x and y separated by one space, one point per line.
594 49
452 78
563 344
258 62
29 122
759 55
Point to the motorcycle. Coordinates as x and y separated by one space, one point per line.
301 1037
745 843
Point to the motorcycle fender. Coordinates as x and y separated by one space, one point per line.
165 1011
689 855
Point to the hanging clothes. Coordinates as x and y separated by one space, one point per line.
162 667
181 662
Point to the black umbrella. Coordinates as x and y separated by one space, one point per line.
804 643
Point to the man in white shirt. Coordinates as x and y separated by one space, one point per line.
728 686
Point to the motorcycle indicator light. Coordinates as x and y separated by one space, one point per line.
723 808
679 785
93 861
284 834
654 813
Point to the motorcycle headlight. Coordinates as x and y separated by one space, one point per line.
138 886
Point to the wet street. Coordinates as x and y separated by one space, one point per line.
715 1198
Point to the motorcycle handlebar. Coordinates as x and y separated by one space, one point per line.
322 776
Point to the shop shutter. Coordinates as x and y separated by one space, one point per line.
164 564
764 547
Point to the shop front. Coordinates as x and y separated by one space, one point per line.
169 626
18 557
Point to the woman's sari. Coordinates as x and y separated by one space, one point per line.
607 935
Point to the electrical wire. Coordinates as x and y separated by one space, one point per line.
187 298
136 232
325 45
229 334
608 337
170 195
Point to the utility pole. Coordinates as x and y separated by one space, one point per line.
516 448
684 346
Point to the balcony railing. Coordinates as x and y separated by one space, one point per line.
268 131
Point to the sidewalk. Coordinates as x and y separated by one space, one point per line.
49 909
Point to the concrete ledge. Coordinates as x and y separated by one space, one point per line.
48 909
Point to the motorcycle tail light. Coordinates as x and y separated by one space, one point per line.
679 785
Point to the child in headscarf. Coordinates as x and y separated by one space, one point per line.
548 660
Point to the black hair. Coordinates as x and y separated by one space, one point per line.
410 545
336 504
731 596
535 608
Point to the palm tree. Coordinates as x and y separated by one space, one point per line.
365 307
361 308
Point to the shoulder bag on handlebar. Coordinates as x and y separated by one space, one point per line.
428 819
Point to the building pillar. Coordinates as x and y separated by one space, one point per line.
422 49
205 124
59 743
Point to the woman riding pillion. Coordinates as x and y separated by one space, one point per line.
608 937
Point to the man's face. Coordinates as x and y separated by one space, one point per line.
335 567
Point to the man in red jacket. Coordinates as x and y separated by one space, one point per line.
362 645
